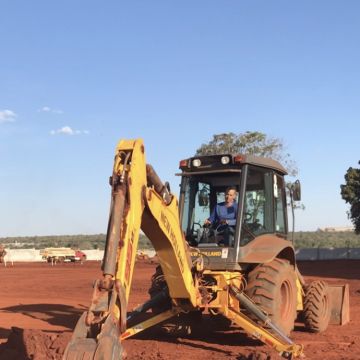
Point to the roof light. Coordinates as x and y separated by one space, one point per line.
183 164
239 158
225 160
196 162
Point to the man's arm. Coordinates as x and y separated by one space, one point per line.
213 217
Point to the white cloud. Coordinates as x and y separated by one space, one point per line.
67 130
50 110
7 116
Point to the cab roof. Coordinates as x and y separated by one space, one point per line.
207 163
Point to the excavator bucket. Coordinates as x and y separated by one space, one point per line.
84 347
339 300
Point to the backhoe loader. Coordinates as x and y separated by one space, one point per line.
250 278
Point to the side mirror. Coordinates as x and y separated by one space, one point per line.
296 190
203 197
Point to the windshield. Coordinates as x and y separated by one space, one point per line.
210 208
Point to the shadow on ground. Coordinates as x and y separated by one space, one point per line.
54 314
208 330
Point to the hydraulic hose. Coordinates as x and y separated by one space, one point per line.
154 180
255 310
119 188
113 232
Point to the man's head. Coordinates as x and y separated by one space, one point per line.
230 194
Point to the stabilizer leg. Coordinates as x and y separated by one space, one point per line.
281 343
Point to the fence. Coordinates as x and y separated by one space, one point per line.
328 254
28 255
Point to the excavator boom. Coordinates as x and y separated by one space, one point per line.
138 200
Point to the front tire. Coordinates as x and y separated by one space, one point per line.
317 309
272 287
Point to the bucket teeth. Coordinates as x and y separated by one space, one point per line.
108 348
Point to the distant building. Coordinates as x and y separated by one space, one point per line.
336 228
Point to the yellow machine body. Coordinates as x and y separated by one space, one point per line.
141 201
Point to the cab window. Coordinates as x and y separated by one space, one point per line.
200 195
258 205
280 203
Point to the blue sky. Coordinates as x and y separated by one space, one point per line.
77 76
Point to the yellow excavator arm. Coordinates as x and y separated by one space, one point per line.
149 205
139 200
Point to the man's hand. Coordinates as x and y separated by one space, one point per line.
207 222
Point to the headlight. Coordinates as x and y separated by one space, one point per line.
225 160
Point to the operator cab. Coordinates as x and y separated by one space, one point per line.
260 204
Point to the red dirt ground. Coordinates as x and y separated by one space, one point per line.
40 304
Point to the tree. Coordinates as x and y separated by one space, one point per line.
350 192
250 142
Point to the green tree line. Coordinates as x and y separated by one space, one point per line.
324 239
82 242
302 239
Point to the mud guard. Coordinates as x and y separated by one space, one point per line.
340 308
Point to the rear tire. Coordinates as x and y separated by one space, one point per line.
158 284
272 287
317 310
